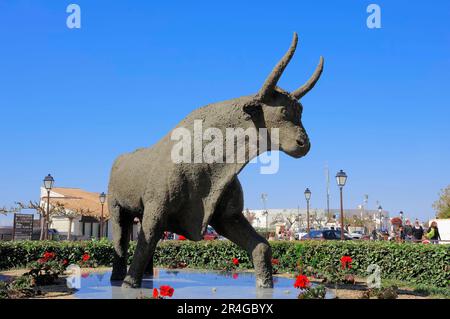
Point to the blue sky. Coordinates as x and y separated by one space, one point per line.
72 100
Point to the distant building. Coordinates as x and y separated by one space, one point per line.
295 218
84 205
87 204
86 208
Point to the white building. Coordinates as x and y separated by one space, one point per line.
82 212
295 218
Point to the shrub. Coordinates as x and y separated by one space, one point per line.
415 263
46 270
21 287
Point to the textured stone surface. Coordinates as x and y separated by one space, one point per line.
184 198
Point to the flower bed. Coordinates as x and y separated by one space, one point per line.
415 263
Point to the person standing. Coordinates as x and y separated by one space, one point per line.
433 233
417 231
402 234
408 229
374 235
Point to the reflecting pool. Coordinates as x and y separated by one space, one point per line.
188 284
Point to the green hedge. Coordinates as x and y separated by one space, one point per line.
415 263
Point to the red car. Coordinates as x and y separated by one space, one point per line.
210 234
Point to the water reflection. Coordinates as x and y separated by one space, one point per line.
188 284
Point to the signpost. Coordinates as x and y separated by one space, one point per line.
23 227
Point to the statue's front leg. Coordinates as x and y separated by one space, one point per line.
239 231
149 237
229 221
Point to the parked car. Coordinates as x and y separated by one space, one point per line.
357 235
210 234
53 234
299 236
326 234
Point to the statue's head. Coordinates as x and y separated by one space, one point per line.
276 108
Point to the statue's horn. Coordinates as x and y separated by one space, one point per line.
299 93
273 78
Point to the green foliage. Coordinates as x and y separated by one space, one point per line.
45 273
20 254
415 263
21 287
318 292
390 292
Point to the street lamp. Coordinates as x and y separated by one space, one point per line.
102 198
48 184
307 197
380 211
341 179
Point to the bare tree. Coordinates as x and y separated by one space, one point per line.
317 219
290 220
42 211
250 216
5 211
442 205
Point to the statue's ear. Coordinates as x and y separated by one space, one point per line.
254 110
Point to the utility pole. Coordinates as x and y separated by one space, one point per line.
327 176
264 200
363 207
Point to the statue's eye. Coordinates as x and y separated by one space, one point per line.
284 112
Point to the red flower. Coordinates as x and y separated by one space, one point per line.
346 262
86 257
236 261
65 262
155 294
166 291
42 261
302 282
275 262
235 276
47 256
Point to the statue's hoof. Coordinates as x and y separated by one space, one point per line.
129 282
264 283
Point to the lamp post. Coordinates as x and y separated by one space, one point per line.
341 179
307 197
48 184
102 198
264 200
380 211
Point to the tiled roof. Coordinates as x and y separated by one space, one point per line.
79 200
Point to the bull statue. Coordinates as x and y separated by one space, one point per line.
184 198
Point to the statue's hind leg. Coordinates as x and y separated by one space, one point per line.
122 223
149 269
149 236
229 221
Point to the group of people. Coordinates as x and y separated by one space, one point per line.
285 235
416 233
